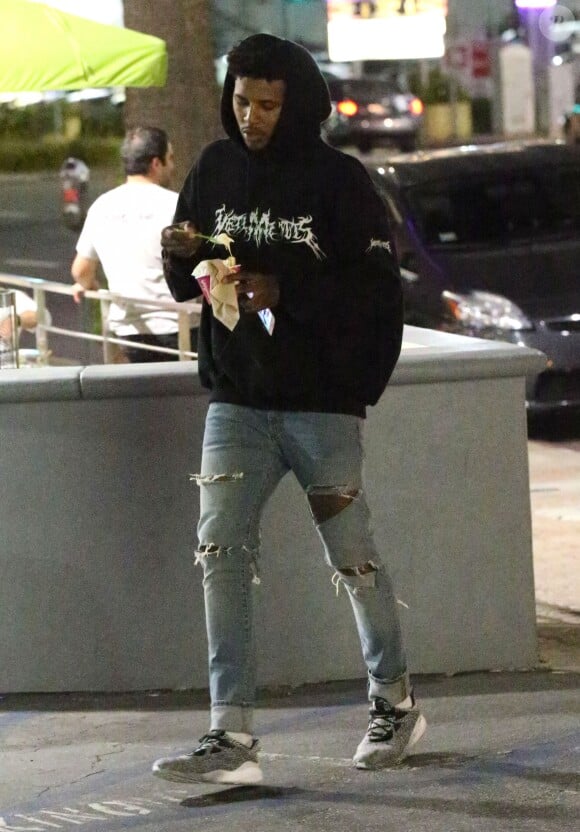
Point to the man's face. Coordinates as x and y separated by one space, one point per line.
166 168
257 106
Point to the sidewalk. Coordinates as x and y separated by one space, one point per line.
556 535
501 751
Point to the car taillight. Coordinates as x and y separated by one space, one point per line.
347 107
416 106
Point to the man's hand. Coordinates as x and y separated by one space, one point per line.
181 239
28 319
6 327
78 292
255 291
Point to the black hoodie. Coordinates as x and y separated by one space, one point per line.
310 215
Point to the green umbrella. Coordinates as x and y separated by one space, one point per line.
46 49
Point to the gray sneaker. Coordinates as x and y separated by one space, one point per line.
391 732
217 759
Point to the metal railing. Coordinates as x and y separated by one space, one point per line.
105 298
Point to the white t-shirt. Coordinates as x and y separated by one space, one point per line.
123 230
23 302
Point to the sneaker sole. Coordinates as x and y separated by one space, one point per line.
248 774
416 734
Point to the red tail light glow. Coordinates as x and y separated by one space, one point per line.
347 107
416 106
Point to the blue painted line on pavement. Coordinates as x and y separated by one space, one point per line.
9 719
542 754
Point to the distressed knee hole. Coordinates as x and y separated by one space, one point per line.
211 479
328 501
208 550
356 577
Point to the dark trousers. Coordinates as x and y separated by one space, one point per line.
168 340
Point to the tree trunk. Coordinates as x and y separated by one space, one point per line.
188 106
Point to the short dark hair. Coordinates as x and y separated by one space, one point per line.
140 146
259 56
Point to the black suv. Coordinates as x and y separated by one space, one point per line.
488 238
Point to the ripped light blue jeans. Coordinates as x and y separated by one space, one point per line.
246 453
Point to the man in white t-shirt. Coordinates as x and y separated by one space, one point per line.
122 231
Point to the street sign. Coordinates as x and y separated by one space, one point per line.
480 59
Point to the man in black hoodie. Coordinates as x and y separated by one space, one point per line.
315 340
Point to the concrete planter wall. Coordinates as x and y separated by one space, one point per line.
99 590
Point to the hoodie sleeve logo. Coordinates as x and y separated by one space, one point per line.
261 229
384 244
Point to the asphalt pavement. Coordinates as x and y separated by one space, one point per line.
501 752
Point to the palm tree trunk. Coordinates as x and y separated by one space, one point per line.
188 106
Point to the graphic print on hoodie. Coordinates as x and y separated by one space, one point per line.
310 215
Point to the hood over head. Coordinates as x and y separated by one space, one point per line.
306 101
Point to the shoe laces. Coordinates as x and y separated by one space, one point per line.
211 743
383 721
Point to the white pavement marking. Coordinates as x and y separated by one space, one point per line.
33 264
104 810
338 761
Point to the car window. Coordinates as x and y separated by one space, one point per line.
362 90
497 207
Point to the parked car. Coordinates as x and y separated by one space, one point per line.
488 238
368 112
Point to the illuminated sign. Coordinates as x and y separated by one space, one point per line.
535 4
360 30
